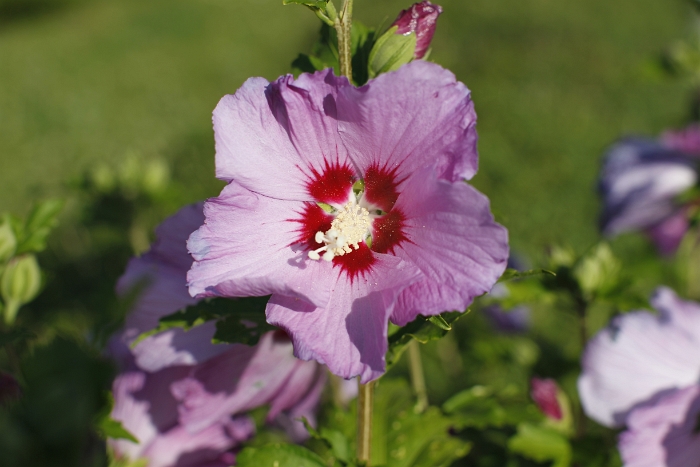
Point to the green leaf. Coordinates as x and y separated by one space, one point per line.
403 438
110 428
15 335
42 219
308 64
541 445
480 407
511 274
239 320
310 3
362 40
423 330
8 240
278 455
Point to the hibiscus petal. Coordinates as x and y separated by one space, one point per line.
350 335
247 248
161 273
417 115
454 241
178 347
653 352
270 136
241 379
668 234
142 403
664 434
684 314
208 447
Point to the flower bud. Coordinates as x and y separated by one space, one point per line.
545 394
10 390
19 284
419 19
8 242
391 51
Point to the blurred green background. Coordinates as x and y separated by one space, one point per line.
86 82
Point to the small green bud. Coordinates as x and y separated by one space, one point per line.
391 51
8 241
19 284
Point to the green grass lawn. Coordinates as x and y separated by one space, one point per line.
554 82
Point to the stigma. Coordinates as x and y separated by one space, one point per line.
350 227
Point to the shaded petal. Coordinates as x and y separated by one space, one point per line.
639 182
247 247
418 115
269 136
664 434
668 234
654 352
241 379
455 242
350 335
159 276
178 347
305 407
142 403
180 448
684 314
164 291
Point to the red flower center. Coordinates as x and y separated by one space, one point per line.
360 224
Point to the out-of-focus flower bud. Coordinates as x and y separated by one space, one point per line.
19 284
10 390
420 19
545 394
8 242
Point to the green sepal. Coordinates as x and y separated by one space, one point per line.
278 455
421 329
334 440
107 427
541 445
391 51
19 284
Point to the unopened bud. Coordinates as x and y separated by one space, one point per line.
420 19
10 390
391 51
545 394
19 284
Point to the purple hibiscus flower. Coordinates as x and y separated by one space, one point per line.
348 205
643 372
640 182
421 19
183 397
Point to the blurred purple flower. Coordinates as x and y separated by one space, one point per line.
421 19
639 357
664 434
544 393
514 320
686 140
183 397
643 372
640 182
291 148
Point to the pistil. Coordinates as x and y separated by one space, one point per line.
349 228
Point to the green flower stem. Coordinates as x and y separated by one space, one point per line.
343 28
365 399
417 376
